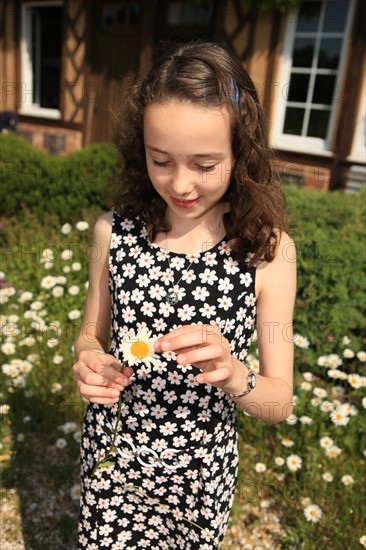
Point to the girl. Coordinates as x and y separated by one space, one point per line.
194 257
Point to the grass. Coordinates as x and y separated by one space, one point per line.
286 464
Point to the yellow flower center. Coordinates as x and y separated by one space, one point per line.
140 349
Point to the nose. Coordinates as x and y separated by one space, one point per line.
182 183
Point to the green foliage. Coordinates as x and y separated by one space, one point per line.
329 233
33 180
42 410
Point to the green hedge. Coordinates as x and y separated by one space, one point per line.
328 229
329 232
33 180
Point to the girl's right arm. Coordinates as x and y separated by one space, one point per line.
98 375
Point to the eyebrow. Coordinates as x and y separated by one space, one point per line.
210 154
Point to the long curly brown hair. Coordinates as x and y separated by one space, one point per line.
207 74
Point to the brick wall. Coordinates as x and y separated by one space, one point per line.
58 141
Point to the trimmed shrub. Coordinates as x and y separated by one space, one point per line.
33 180
329 232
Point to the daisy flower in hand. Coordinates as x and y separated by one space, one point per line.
137 348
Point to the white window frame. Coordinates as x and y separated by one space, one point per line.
297 143
28 107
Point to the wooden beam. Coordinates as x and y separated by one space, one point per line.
349 100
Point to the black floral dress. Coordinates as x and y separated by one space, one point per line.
175 465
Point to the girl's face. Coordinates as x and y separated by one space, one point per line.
189 157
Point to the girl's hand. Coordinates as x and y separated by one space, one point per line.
205 347
100 377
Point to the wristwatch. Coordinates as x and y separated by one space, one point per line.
251 383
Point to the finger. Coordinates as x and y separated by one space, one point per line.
98 392
103 375
201 354
213 376
101 401
198 335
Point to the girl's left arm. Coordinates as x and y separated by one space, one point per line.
275 290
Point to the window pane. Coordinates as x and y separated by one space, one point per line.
299 84
308 19
303 52
293 121
329 53
324 89
318 124
135 14
49 30
335 15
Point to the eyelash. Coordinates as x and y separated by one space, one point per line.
202 168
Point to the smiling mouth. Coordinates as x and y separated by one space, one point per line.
184 203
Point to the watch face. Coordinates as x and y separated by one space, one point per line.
252 380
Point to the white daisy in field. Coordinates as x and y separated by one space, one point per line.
346 340
328 477
294 462
327 406
138 348
46 255
82 226
291 419
4 409
306 386
48 282
305 501
75 492
301 341
348 353
334 360
347 480
361 355
61 443
8 348
279 461
76 266
66 254
56 387
363 540
57 359
58 291
333 452
74 290
326 442
338 391
286 442
65 229
320 392
74 314
323 361
339 418
66 269
308 376
355 380
364 402
306 420
316 401
25 296
313 513
260 467
36 305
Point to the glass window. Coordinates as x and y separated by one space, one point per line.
189 14
41 57
314 72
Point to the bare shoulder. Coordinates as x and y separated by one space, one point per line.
282 267
103 226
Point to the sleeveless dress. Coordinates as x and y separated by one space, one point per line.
176 461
